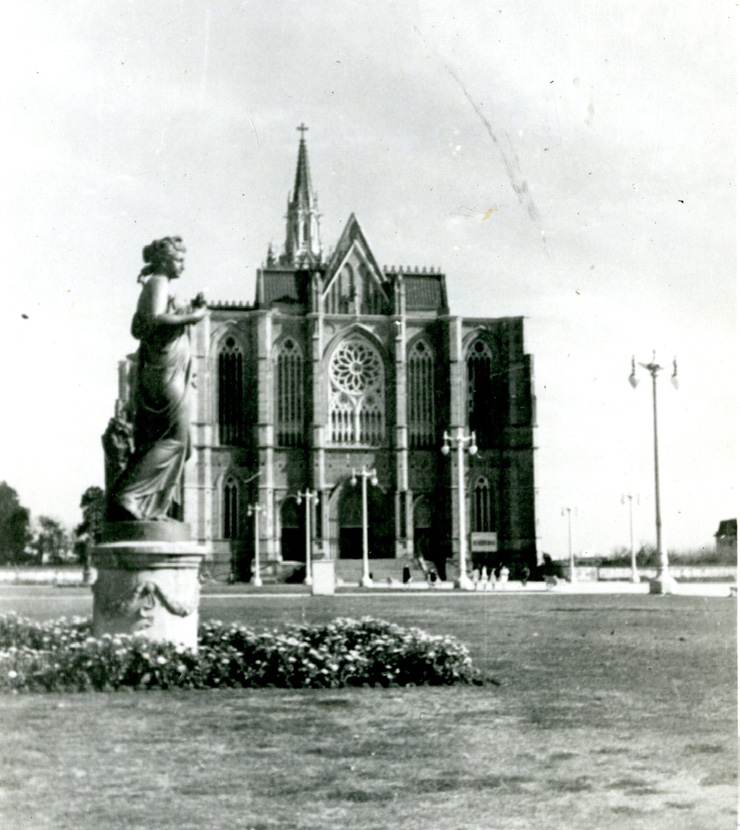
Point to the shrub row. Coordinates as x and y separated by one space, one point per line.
63 656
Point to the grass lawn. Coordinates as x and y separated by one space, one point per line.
612 712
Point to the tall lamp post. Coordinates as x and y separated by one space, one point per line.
309 496
635 577
460 442
365 474
566 511
663 583
255 510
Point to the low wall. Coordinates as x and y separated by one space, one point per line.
688 573
44 576
351 569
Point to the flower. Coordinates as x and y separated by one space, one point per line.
58 656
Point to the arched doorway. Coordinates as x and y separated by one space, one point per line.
425 545
379 522
292 541
422 528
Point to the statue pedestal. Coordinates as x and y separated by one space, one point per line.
147 582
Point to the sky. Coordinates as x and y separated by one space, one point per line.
569 162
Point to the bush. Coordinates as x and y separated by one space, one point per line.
62 656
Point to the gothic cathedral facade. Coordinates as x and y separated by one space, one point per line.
340 365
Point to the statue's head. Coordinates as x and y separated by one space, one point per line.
164 256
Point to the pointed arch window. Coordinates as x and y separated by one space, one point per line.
289 404
341 295
230 509
332 298
481 403
371 300
231 393
421 395
482 518
356 394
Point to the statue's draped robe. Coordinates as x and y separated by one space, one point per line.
146 488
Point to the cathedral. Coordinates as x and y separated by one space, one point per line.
340 367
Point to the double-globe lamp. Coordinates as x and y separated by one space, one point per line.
461 441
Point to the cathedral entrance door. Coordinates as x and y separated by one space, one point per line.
424 540
350 542
292 536
379 523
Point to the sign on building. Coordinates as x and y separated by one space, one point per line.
483 542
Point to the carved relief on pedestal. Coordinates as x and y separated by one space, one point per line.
140 602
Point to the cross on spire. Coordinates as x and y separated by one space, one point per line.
302 242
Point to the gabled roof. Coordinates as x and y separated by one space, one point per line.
352 235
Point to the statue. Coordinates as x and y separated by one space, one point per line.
118 445
146 487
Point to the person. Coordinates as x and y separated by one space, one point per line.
146 487
525 575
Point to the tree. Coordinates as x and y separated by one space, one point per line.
52 540
92 505
90 530
14 525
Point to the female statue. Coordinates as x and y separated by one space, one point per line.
161 431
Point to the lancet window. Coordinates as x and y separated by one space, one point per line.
420 395
289 392
356 394
230 509
341 294
482 518
372 298
481 399
231 393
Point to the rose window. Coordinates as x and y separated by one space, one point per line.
355 367
357 398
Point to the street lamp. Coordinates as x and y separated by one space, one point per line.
635 576
571 558
663 583
255 510
460 441
309 496
365 474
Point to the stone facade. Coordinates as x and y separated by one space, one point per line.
337 364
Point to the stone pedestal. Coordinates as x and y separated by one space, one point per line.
323 583
148 582
663 583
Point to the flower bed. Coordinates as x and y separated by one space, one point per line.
63 656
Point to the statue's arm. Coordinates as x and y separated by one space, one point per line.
154 306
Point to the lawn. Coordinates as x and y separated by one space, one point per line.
611 712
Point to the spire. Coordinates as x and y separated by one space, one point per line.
302 240
302 188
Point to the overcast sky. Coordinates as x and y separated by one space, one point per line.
571 162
